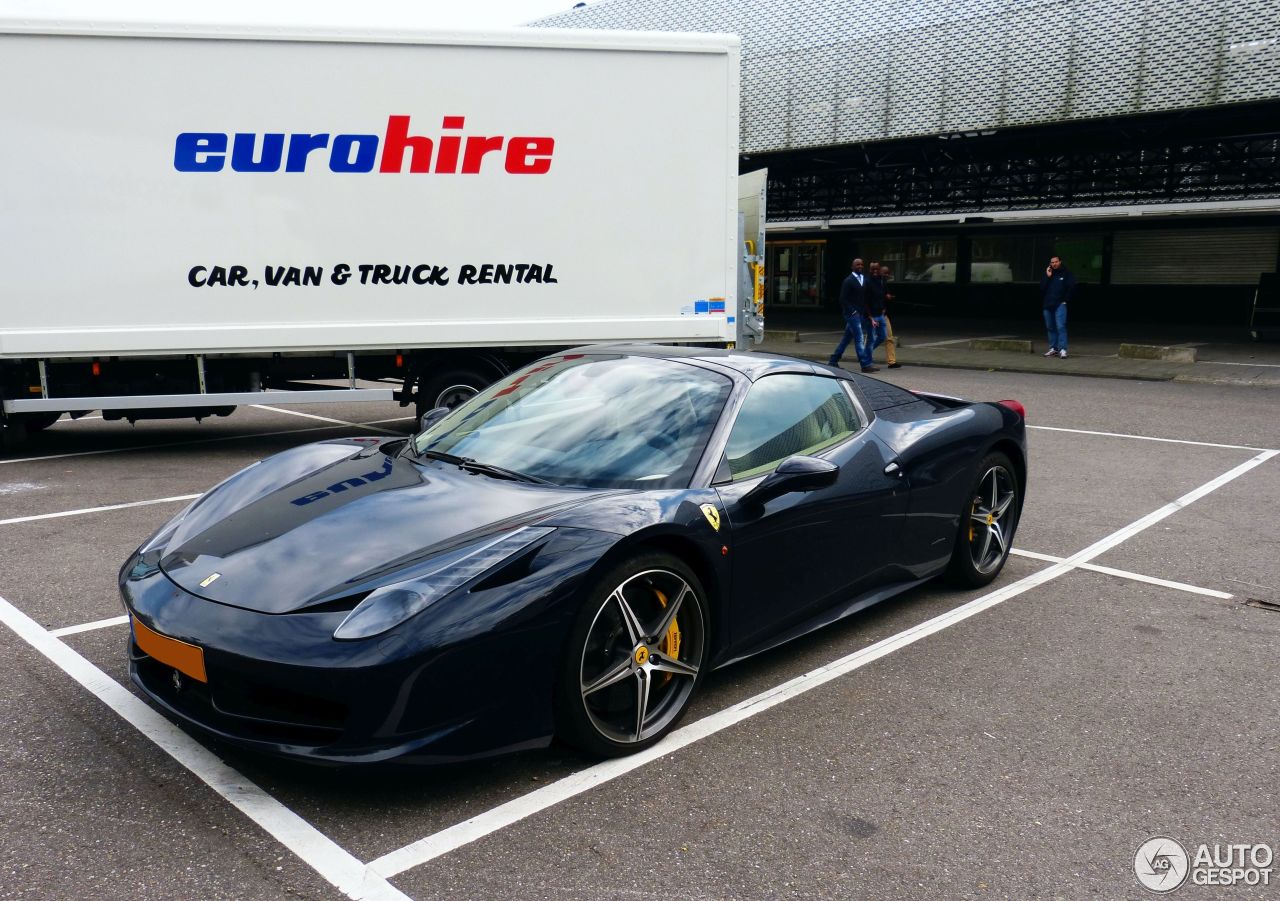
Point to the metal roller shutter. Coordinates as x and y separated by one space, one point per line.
1220 256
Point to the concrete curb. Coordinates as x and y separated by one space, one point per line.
1156 352
1014 345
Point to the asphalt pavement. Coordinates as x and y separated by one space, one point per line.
1020 741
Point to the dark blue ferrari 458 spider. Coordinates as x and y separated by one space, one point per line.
565 555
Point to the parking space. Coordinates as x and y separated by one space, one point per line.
1018 741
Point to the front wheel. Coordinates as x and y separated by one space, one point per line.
987 524
634 658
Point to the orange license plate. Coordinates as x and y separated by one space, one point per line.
187 659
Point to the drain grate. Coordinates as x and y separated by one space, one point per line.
1273 606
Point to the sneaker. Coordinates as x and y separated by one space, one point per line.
895 365
1051 352
1062 354
870 368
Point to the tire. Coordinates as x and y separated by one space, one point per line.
988 521
628 671
450 388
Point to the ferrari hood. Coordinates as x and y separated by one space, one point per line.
332 519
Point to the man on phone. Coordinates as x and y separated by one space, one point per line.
1056 288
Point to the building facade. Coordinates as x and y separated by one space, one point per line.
966 142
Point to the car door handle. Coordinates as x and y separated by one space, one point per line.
893 469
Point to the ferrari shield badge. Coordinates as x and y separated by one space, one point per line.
712 515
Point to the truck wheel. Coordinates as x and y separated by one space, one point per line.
450 388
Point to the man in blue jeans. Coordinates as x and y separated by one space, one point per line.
876 293
853 306
1056 288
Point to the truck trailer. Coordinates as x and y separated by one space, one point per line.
200 213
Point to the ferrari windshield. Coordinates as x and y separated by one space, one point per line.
595 421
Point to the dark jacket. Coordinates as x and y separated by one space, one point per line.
875 295
1058 288
853 296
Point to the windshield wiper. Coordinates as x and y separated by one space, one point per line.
441 455
490 470
470 464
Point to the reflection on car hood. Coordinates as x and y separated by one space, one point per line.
332 519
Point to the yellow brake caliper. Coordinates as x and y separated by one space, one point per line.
670 641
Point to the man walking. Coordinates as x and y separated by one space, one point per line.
1056 288
853 306
875 306
890 343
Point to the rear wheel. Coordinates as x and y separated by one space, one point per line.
987 524
451 388
635 656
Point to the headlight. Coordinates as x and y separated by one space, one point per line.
390 605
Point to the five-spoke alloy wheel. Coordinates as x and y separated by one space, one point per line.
987 524
636 655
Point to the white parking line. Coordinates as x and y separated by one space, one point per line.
453 837
1125 574
321 418
1047 428
89 627
318 851
959 341
159 500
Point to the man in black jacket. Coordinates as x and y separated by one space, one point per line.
853 306
876 292
1056 287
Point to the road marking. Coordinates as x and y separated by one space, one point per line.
322 854
159 500
1125 574
89 627
460 834
322 418
1226 363
1047 428
956 341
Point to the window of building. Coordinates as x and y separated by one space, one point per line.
795 273
785 415
1022 259
923 260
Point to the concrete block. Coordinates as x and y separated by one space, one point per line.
775 334
1157 352
1016 345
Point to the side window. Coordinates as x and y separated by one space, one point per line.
785 415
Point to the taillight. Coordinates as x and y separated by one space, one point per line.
1015 407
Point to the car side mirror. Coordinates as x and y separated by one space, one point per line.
798 473
431 417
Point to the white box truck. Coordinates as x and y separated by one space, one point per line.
196 214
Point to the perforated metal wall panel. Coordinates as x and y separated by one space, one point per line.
821 72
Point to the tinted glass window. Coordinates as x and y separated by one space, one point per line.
785 415
596 421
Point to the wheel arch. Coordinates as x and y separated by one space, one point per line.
687 551
1017 457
